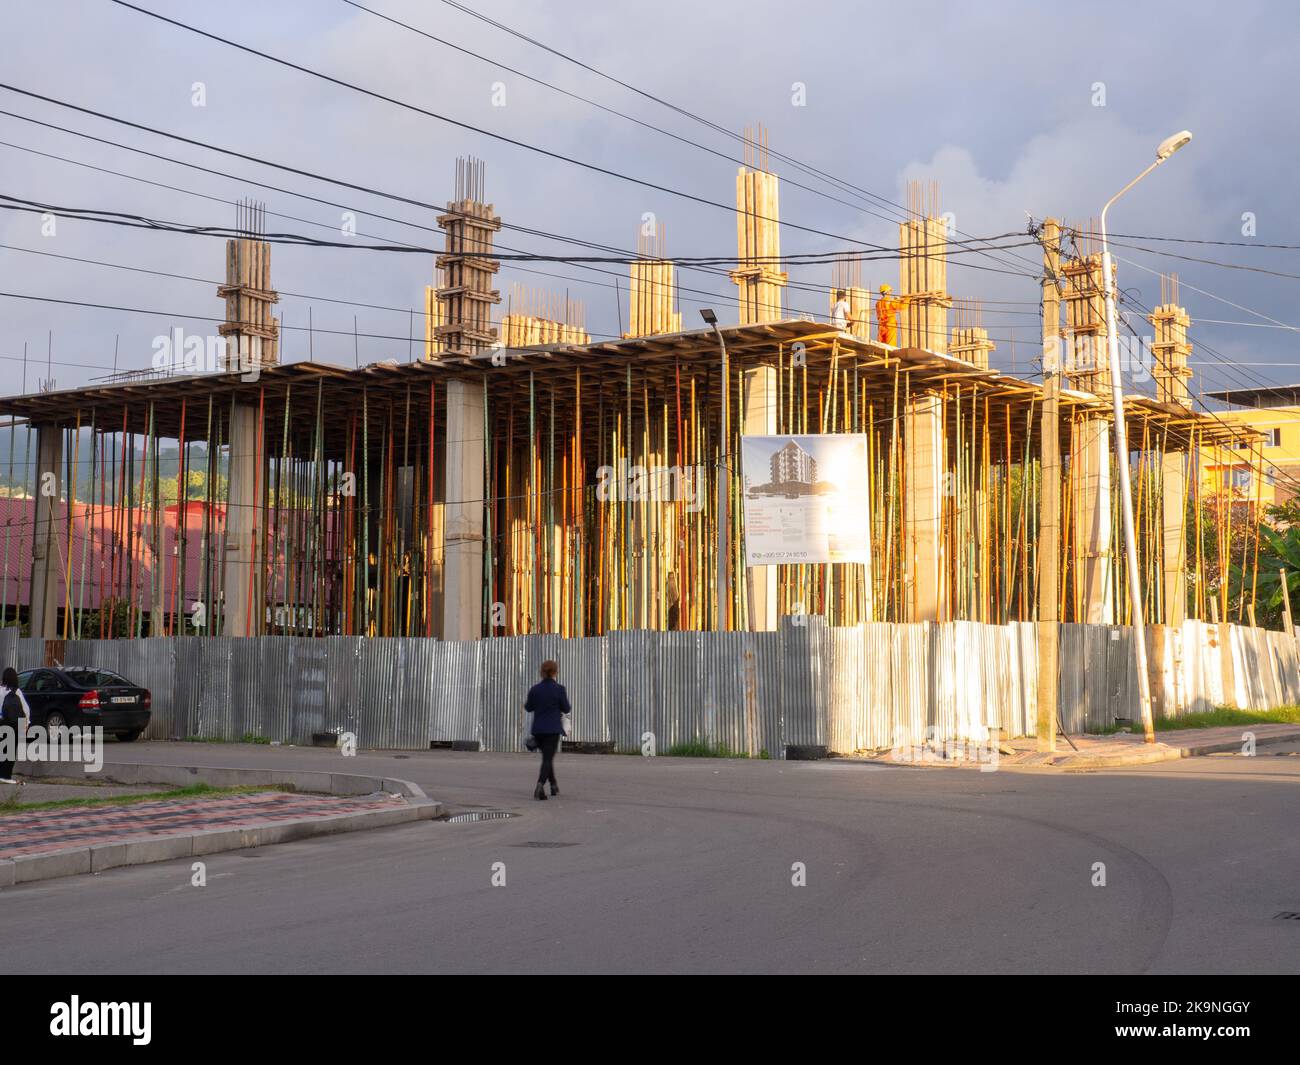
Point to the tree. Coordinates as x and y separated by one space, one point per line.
1279 549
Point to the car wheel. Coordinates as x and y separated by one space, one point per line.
55 719
128 737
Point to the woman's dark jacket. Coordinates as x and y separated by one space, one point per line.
548 702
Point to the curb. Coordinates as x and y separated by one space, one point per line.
99 857
1168 754
1235 745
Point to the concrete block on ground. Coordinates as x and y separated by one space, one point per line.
292 830
121 774
407 788
29 867
216 840
222 777
302 780
178 776
6 873
162 849
347 784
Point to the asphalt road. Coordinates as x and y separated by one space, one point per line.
685 865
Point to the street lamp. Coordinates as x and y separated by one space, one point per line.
723 546
1167 148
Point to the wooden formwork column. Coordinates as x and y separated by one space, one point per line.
463 512
241 611
758 276
923 273
251 331
1174 468
925 463
653 299
759 418
1171 351
467 266
972 345
1090 453
45 540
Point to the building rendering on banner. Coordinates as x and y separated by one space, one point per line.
793 463
455 495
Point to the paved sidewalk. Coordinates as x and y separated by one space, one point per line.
1120 749
1128 748
73 827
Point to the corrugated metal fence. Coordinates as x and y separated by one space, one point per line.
849 689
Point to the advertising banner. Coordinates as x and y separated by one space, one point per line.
805 499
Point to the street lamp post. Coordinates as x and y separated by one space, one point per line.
723 545
1167 148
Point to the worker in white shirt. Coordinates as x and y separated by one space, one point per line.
840 312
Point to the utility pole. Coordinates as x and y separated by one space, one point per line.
1049 543
723 586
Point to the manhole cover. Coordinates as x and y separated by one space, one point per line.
481 815
542 844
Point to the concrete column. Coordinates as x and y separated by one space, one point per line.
45 537
758 418
1173 476
463 513
923 476
243 613
1091 521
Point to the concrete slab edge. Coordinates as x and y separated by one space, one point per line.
100 857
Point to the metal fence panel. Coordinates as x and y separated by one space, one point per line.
805 654
504 677
856 688
320 696
633 696
378 689
456 697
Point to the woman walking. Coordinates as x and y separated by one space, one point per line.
548 702
15 715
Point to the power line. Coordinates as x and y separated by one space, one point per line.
136 221
496 136
346 184
1220 243
1124 297
470 127
806 168
595 103
1209 262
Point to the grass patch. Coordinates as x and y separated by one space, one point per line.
247 737
10 804
1286 715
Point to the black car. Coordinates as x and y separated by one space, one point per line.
83 696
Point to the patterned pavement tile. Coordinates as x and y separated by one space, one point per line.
67 827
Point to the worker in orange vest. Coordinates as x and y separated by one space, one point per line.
887 310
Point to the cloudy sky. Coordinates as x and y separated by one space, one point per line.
1016 109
